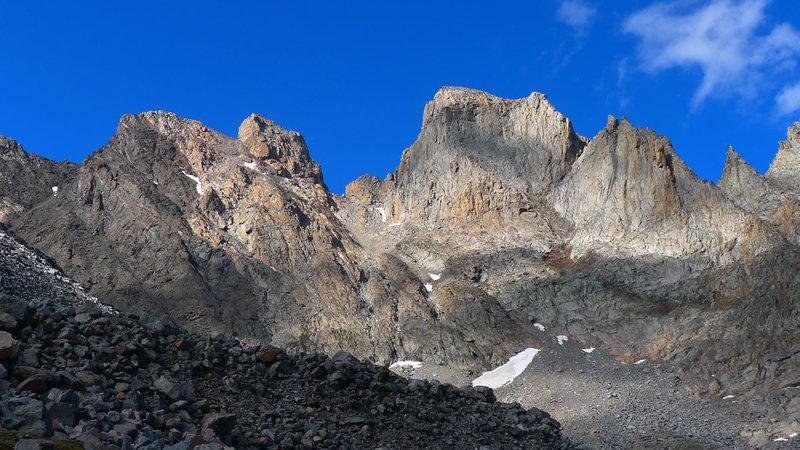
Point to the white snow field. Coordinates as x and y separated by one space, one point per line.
506 373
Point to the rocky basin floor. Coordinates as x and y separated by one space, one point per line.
122 381
606 404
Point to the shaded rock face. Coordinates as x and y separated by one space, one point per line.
498 216
27 179
26 274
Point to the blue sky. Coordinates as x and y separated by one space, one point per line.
353 77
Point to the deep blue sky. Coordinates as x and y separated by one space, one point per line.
353 77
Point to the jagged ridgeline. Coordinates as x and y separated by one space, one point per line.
498 216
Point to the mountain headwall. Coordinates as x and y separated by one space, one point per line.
497 217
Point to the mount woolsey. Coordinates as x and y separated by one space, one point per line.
498 217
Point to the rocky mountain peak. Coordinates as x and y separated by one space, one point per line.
478 158
785 168
26 179
628 174
8 145
771 197
532 120
164 121
286 151
631 193
735 168
449 97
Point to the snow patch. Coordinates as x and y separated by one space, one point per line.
384 215
155 182
506 373
793 435
55 190
198 186
539 326
728 396
250 165
429 287
780 439
561 339
588 350
434 276
412 364
640 361
396 224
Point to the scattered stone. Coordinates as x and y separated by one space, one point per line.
344 356
35 384
6 345
267 355
140 387
221 423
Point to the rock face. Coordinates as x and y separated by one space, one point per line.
498 216
240 236
783 169
772 197
629 192
27 179
479 161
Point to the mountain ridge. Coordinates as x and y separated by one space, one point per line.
497 217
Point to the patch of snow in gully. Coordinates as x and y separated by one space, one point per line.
412 364
506 373
198 186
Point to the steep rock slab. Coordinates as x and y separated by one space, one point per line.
630 194
785 168
761 196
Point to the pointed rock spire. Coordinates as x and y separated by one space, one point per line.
785 168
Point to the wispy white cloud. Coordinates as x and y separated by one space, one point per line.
788 100
725 39
575 13
622 72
